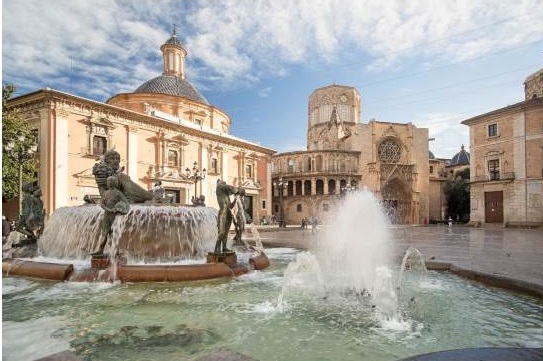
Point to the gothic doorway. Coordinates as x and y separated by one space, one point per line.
396 201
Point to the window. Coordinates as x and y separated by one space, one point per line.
319 186
264 204
318 162
298 187
307 187
389 151
308 164
198 121
431 169
494 169
493 130
172 158
214 165
332 186
248 171
99 145
290 165
298 207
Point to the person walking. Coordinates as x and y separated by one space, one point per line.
314 224
6 229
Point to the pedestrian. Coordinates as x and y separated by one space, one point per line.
6 229
450 222
314 224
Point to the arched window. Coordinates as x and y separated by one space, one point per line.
298 187
319 186
290 188
318 163
307 187
332 186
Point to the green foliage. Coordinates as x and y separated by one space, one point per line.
13 126
457 194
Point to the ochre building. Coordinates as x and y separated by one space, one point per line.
162 130
506 167
343 154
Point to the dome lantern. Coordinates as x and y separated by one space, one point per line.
174 55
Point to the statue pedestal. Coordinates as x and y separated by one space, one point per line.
229 258
102 261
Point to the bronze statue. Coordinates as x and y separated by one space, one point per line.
238 213
109 166
158 192
224 218
113 202
31 219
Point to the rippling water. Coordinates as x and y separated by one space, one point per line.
257 315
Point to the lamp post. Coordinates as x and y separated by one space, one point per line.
280 186
195 175
21 152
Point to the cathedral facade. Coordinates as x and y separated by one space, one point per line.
343 154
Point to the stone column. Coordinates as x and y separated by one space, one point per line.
60 169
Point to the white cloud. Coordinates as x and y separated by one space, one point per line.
447 131
234 43
264 92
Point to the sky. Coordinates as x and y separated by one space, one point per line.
433 63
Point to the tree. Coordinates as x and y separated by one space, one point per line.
457 195
14 127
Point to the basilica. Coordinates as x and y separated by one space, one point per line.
165 131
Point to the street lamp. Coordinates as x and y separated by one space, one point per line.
195 175
21 152
280 186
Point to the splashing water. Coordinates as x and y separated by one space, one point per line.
147 233
355 244
352 258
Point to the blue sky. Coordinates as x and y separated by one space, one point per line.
430 62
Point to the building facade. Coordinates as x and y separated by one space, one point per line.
506 170
390 159
162 130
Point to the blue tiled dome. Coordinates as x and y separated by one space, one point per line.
460 158
171 85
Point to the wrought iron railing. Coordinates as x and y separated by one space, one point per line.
493 177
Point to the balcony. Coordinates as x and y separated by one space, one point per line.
308 173
509 176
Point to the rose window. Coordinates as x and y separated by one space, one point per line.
389 151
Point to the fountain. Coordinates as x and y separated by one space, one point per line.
338 300
135 236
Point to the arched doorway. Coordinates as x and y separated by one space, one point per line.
396 201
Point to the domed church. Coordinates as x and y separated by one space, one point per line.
165 131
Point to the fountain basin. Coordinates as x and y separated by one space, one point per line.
132 273
42 270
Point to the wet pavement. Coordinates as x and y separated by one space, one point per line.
504 257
